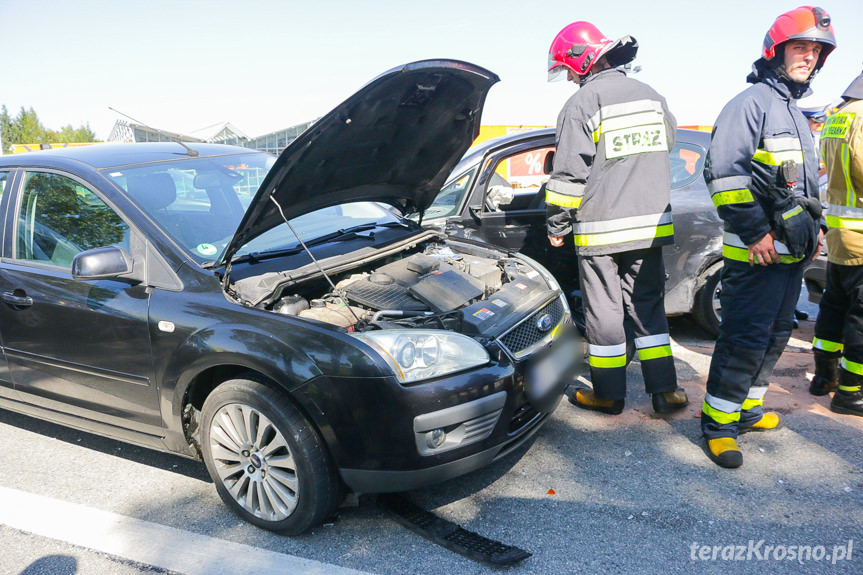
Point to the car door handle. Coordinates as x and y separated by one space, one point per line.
19 300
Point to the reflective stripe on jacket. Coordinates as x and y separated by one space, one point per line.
610 185
755 132
842 150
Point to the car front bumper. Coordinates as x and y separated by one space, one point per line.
384 440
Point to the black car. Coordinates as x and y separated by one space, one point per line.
276 317
497 194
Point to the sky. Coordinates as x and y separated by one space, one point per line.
188 65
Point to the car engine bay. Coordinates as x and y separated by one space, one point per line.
474 291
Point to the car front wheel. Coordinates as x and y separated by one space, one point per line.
268 463
707 310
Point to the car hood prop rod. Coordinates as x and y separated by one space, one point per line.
308 251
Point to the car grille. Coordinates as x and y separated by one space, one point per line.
520 340
522 416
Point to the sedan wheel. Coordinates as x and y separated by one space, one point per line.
268 463
253 461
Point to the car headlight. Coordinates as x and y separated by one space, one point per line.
419 354
540 269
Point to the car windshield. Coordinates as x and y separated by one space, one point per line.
327 224
198 202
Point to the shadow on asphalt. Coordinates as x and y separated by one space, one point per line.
165 461
54 564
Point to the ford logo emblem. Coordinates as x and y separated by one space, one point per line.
544 323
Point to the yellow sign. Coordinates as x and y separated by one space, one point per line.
21 148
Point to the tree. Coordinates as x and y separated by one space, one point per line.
68 134
25 128
5 129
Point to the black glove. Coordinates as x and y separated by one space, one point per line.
794 218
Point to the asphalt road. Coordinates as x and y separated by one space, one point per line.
592 494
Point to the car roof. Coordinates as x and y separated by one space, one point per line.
478 151
99 156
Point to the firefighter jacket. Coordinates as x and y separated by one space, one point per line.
755 133
610 182
842 150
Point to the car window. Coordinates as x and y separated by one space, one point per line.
449 199
58 218
686 163
4 176
516 181
198 202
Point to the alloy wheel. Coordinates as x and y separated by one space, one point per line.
254 462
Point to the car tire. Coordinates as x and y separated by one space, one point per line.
268 463
707 310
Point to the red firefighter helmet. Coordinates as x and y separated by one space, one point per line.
803 23
579 45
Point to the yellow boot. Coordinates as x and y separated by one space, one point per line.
586 399
669 401
724 452
770 421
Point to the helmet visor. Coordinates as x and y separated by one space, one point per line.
556 70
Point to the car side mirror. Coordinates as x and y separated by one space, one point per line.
109 262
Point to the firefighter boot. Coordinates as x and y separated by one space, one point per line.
826 377
848 399
724 452
669 401
586 399
770 421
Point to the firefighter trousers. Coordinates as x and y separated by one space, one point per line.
839 327
757 316
623 296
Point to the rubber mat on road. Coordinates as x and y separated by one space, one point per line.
448 534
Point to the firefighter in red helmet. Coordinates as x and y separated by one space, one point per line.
609 194
762 173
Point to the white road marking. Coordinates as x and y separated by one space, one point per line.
148 543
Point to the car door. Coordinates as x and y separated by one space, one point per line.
508 206
78 347
6 388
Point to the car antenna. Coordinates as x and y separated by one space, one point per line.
191 152
320 268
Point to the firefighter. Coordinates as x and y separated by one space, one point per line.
763 178
609 189
839 327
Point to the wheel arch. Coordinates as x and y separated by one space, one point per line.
202 385
217 354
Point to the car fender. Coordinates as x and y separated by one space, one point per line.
681 299
288 357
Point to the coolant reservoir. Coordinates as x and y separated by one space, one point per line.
335 314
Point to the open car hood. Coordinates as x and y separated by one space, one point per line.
395 141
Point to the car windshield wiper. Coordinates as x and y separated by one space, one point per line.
338 235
